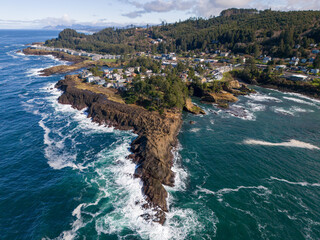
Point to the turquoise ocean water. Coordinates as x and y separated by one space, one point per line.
64 177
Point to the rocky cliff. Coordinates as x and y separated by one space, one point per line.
151 150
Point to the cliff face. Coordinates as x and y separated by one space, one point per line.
151 150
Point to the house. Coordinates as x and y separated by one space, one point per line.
85 74
90 79
199 60
294 61
266 59
96 57
184 77
116 76
297 77
224 54
174 64
303 69
315 51
218 76
281 67
314 71
108 85
130 69
304 60
100 81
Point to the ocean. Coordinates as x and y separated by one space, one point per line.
249 172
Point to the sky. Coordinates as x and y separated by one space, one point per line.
36 14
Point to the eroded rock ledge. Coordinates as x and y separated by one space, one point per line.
151 150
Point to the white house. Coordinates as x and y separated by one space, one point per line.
266 59
298 77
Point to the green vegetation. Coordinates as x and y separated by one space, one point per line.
96 71
246 31
316 62
252 75
157 92
109 60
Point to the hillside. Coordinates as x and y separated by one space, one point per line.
241 30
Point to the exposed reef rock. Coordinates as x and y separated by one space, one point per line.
192 108
229 94
151 150
220 97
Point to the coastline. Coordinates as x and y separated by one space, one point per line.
76 62
151 150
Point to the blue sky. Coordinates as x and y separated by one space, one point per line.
17 14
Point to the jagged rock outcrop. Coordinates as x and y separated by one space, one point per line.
192 108
221 98
151 150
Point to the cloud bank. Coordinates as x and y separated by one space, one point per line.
206 8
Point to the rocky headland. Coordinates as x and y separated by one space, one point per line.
151 150
228 94
76 62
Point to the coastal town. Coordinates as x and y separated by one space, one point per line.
208 67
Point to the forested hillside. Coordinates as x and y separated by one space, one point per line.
246 31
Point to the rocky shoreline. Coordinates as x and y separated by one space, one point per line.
151 150
77 62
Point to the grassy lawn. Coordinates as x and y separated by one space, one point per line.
109 60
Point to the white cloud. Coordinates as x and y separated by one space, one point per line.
158 6
206 8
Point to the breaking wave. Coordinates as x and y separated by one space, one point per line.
117 207
259 97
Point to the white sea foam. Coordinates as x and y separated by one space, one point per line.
302 96
58 157
112 174
304 184
115 181
296 109
240 111
34 72
12 54
259 97
283 111
291 143
224 191
195 130
61 62
297 100
180 173
256 107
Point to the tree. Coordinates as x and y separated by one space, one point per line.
316 62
